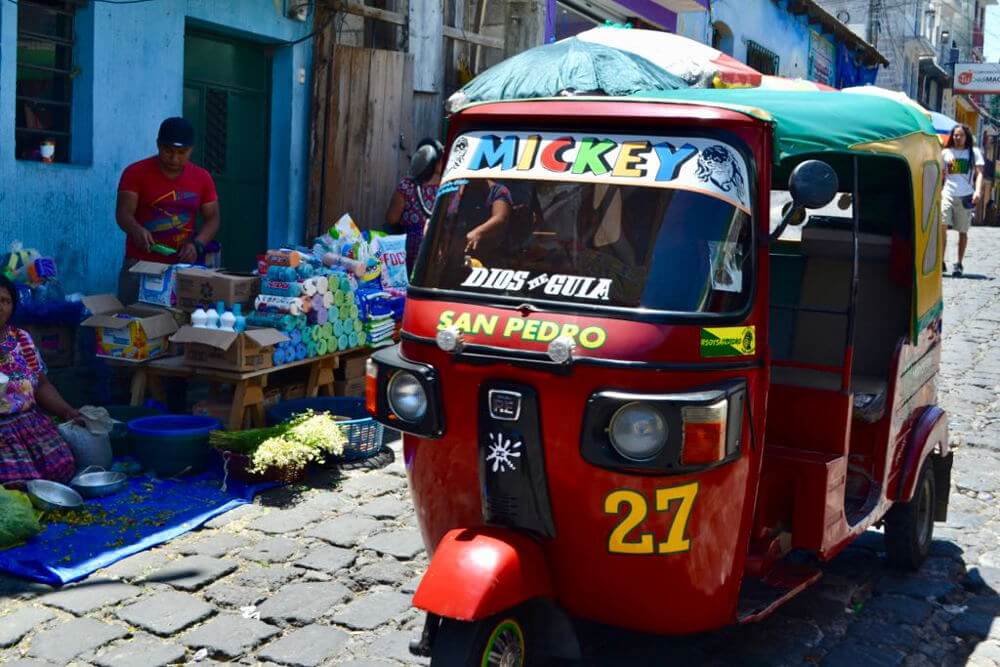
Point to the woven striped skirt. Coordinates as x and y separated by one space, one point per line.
31 448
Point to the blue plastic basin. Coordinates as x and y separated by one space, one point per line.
169 445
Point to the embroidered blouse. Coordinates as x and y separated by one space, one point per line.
21 366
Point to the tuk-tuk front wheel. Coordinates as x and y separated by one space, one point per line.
498 641
909 527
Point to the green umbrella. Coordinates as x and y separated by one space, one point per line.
571 65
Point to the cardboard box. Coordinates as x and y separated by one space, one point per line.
248 351
352 365
272 397
158 282
293 391
355 387
204 287
55 343
136 333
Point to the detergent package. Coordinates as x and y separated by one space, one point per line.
392 254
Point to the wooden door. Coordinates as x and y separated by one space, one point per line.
367 137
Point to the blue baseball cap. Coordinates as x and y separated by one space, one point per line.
177 132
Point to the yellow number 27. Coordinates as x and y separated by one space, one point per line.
638 508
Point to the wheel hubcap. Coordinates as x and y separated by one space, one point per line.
505 647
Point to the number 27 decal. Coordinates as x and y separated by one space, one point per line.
636 512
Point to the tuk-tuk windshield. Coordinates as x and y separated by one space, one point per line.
589 244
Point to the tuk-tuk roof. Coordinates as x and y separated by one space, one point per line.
807 122
835 123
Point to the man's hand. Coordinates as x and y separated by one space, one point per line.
188 254
142 237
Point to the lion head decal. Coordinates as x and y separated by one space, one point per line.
717 164
458 151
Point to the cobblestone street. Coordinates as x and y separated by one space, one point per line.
323 575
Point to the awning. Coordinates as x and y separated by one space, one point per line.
929 67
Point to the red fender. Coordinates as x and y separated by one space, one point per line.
930 430
478 572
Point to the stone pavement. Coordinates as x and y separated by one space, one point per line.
323 575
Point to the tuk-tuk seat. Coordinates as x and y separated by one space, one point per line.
819 338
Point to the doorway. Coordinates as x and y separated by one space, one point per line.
227 88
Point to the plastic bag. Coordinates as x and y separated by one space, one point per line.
17 518
89 449
392 254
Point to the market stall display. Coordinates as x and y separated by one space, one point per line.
137 484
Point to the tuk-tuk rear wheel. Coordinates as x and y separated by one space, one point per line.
498 641
909 527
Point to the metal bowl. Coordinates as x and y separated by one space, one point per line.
97 484
46 495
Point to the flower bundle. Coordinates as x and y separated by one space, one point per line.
306 438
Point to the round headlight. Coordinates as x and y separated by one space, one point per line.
638 432
407 398
561 349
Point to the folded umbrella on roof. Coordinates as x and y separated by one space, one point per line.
568 66
697 64
768 82
943 125
900 97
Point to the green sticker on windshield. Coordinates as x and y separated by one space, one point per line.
728 341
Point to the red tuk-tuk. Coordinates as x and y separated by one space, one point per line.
644 382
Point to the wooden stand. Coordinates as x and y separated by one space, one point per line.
248 387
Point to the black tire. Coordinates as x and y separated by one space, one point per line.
485 643
909 527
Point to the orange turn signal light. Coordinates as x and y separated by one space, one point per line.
704 433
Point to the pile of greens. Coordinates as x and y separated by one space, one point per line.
290 446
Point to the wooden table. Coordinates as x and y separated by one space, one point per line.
248 387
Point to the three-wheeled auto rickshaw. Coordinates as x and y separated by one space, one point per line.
663 356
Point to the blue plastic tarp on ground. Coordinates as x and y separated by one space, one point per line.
147 512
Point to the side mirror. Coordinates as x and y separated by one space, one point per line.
813 184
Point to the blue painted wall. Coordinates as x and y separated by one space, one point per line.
764 21
132 71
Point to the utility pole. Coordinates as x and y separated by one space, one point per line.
525 26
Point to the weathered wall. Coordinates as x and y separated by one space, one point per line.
764 21
132 66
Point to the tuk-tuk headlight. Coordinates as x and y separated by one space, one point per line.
638 431
407 398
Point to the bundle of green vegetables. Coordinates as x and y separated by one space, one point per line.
18 519
292 445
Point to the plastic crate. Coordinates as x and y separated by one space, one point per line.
364 434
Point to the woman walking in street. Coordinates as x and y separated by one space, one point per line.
963 189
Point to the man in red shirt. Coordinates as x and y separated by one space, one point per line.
159 199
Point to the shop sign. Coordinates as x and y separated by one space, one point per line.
822 59
698 164
977 78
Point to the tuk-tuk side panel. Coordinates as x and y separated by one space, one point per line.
809 419
915 391
923 156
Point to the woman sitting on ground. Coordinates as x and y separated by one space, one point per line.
30 444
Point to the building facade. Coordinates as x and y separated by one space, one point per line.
923 39
791 38
96 79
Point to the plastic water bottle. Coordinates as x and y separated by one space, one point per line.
199 318
227 321
211 319
240 324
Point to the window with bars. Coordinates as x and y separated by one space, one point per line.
45 72
763 60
